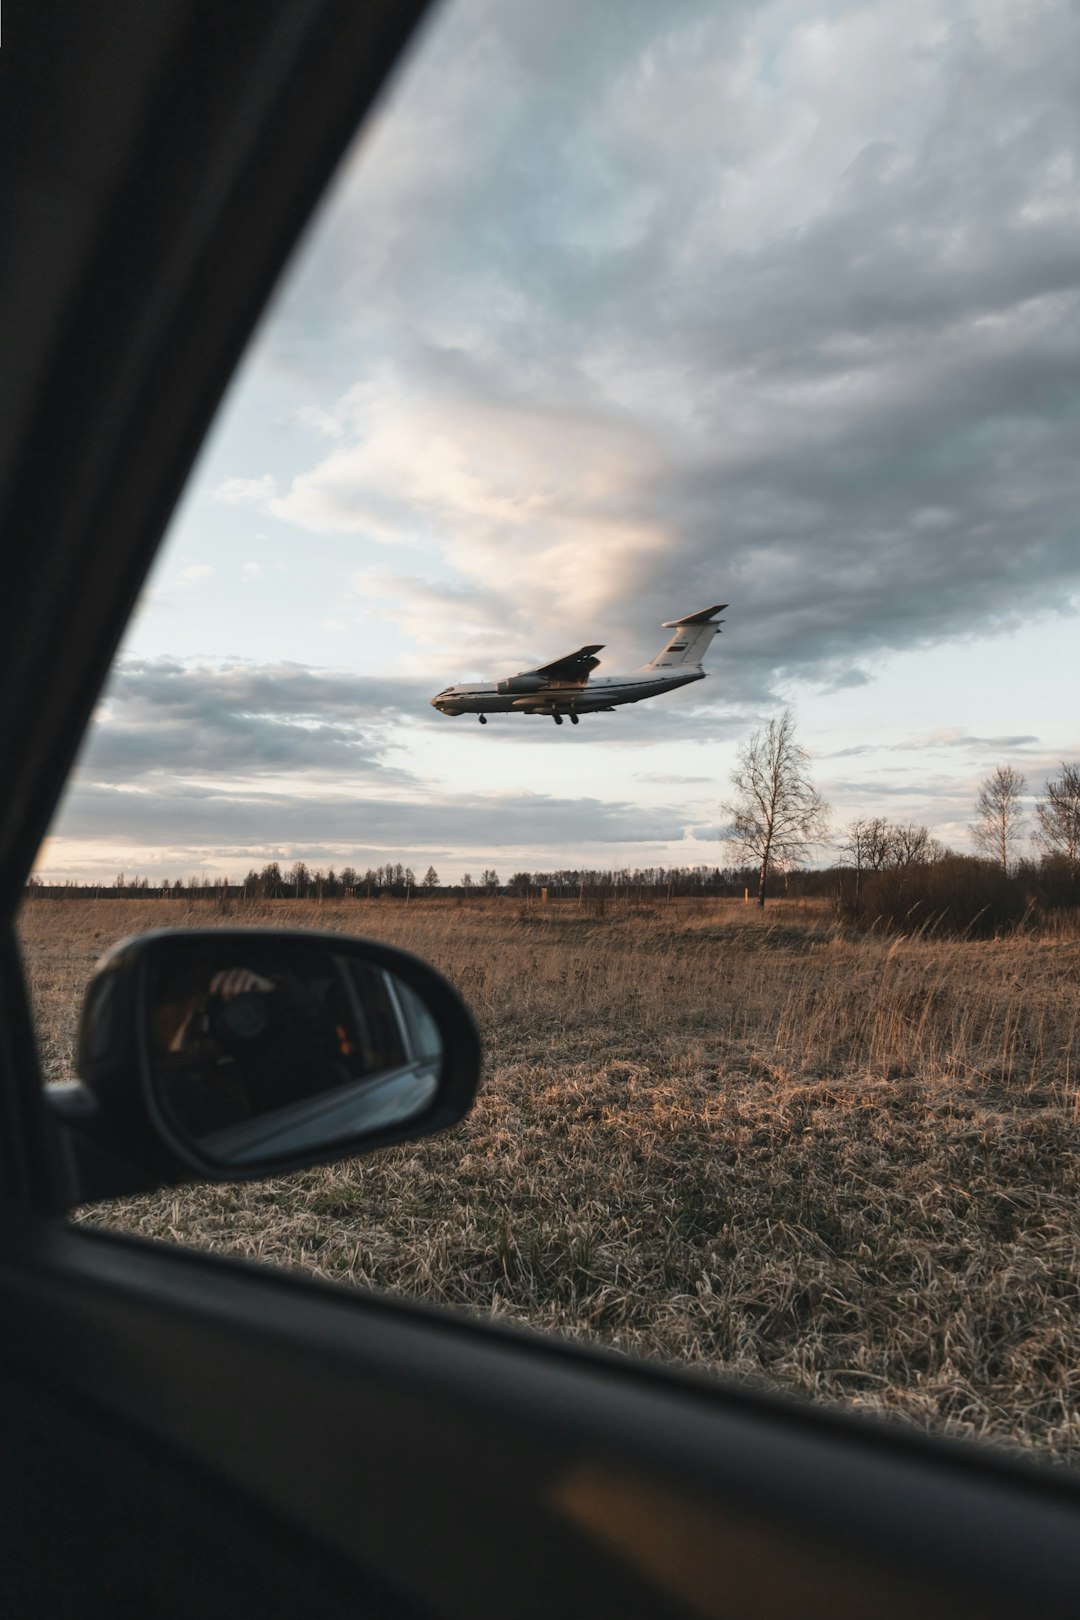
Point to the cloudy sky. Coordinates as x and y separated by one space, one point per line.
617 310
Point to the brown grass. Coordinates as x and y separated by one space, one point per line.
845 1166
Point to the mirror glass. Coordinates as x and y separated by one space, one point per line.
261 1050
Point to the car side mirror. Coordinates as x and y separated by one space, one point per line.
236 1053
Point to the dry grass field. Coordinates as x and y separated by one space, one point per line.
847 1167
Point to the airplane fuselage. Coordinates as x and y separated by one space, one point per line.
567 687
602 692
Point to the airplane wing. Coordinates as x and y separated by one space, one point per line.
575 667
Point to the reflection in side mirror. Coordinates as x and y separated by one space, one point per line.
257 1050
274 1054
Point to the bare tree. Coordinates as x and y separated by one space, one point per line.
877 835
1000 807
1057 817
910 845
866 842
776 811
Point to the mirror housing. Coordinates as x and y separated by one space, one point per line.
236 1053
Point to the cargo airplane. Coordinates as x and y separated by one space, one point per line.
565 687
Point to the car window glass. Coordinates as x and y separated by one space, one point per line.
615 313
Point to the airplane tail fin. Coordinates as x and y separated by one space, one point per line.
689 641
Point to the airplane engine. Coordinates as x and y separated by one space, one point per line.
521 683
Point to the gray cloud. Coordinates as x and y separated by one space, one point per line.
210 819
830 313
628 309
1019 744
665 779
929 789
163 716
177 756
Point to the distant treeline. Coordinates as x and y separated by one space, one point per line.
398 881
906 882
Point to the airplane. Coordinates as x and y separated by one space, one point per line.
565 688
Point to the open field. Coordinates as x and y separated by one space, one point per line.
847 1167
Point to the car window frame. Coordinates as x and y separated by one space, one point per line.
203 104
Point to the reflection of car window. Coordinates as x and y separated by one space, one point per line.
422 1029
378 1027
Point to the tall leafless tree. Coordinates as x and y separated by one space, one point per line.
866 844
775 811
1000 808
877 834
1057 817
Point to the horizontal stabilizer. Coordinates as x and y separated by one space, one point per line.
695 618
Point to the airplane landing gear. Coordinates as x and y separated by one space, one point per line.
573 719
482 719
557 719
